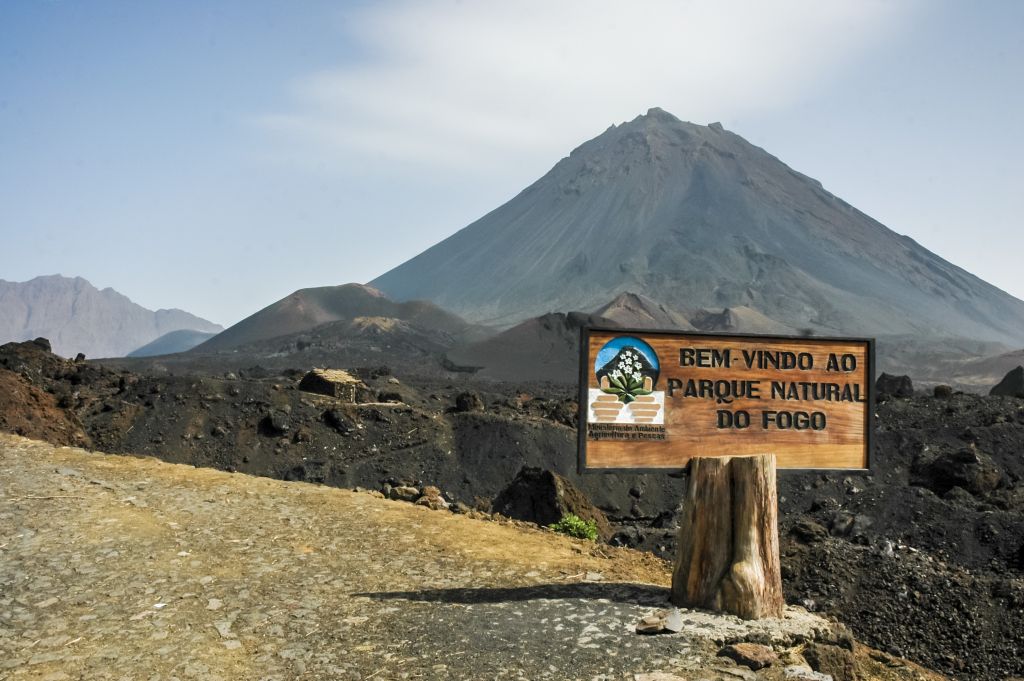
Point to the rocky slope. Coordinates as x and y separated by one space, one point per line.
120 563
698 216
546 348
924 556
77 317
543 349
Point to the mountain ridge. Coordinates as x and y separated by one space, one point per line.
698 216
310 308
78 317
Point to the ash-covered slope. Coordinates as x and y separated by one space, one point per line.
309 308
631 310
542 349
698 216
77 317
741 319
546 348
181 340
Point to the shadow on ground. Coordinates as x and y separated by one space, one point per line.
634 594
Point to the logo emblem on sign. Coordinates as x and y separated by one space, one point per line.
627 371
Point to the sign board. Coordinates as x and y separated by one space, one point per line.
652 400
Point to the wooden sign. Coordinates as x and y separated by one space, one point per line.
652 400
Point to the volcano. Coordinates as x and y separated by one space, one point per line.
696 217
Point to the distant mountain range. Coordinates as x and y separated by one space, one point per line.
77 317
696 217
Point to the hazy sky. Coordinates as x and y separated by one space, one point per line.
215 156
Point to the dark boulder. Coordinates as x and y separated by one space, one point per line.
1012 384
468 402
338 421
966 467
808 532
627 536
893 386
274 423
849 525
943 392
43 344
543 497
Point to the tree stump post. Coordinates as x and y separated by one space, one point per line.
727 557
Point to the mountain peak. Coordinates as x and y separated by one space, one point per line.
638 311
658 118
656 113
701 218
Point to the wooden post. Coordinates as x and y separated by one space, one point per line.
728 548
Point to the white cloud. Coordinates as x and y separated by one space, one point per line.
452 84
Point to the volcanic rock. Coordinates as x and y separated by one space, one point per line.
966 467
652 624
274 423
808 531
431 498
404 493
468 401
799 672
893 386
338 420
1012 384
543 497
752 655
832 660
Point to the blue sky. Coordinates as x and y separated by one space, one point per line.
612 348
216 156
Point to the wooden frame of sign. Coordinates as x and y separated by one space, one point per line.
733 408
653 400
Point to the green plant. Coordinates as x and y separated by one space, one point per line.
626 381
575 526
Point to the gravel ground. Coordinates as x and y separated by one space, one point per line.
125 568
